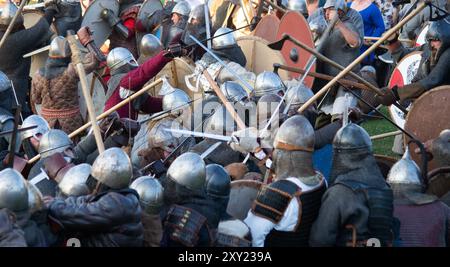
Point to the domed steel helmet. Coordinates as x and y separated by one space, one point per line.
268 82
150 193
298 95
150 46
40 122
59 48
217 181
440 31
35 202
351 137
54 141
221 122
158 137
113 168
337 4
198 13
297 5
120 57
295 134
5 82
7 11
225 40
74 181
405 171
188 170
13 191
175 100
183 8
233 91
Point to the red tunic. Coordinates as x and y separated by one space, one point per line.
134 81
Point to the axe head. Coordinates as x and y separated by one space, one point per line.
278 45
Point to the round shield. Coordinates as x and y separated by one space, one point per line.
421 37
30 18
259 56
402 75
147 9
100 28
385 164
267 28
428 117
97 90
175 72
242 195
294 24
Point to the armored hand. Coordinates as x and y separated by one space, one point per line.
175 50
245 141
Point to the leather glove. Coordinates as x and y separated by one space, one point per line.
131 127
236 170
110 124
109 16
51 5
245 141
175 50
390 97
85 36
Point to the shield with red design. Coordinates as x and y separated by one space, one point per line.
242 195
428 117
267 28
402 75
421 37
294 24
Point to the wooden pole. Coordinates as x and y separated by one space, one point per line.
13 21
381 136
109 111
85 89
228 106
322 91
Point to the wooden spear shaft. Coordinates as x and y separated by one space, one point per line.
13 21
381 136
228 106
322 91
109 111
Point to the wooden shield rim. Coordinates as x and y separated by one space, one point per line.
416 103
188 63
257 32
302 21
393 108
265 42
416 44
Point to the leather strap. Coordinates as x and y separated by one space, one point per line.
289 147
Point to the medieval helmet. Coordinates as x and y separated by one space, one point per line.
267 104
120 57
13 191
5 82
54 141
217 181
59 48
35 202
188 170
34 120
233 91
295 134
298 95
183 8
268 82
337 4
150 46
7 11
404 171
297 5
198 13
352 136
225 40
160 138
74 181
174 100
439 30
113 168
150 193
221 122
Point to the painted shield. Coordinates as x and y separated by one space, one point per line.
421 37
259 56
429 115
385 163
97 90
294 24
242 195
402 75
267 28
175 72
100 28
30 18
147 9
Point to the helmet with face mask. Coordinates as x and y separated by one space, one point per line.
268 82
233 91
120 60
34 120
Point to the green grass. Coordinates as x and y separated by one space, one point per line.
379 126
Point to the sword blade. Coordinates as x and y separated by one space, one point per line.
37 51
210 150
200 134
